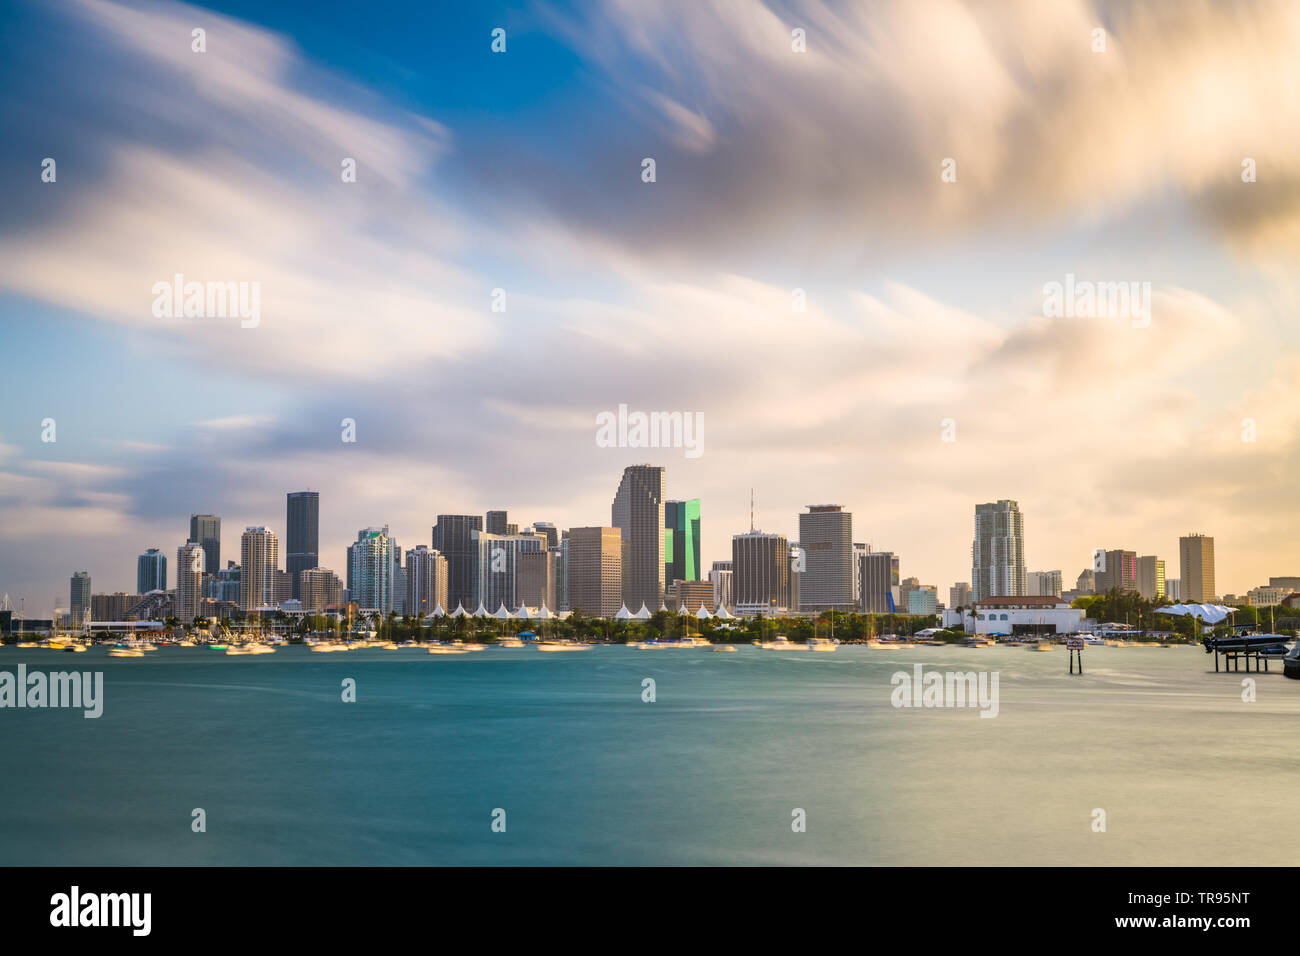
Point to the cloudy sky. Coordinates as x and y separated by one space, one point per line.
776 170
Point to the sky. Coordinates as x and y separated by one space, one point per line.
923 374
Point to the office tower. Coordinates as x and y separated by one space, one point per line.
537 575
761 575
301 534
638 512
453 539
1196 568
151 571
960 595
190 565
112 607
826 537
259 551
596 571
494 568
878 582
905 589
1290 584
692 595
321 589
1120 571
1043 583
681 541
426 581
923 599
495 522
1086 582
370 570
548 531
80 597
998 551
1151 577
721 579
563 587
206 530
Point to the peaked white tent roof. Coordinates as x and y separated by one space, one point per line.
501 612
682 609
522 614
703 613
545 613
1209 613
482 611
663 606
460 611
643 614
623 614
724 613
438 612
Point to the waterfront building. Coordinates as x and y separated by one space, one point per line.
826 538
150 574
682 541
1043 583
1196 568
638 513
426 581
259 551
595 570
1151 577
79 606
879 585
692 595
320 588
1120 571
761 578
370 570
302 535
495 564
191 564
453 539
537 575
1026 614
112 607
998 550
721 578
923 599
206 530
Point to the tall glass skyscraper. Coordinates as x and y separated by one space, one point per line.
826 537
682 541
206 530
302 536
151 572
638 512
453 539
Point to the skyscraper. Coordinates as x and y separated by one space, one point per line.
1196 568
721 578
80 597
151 572
206 530
426 581
878 582
1151 577
321 588
998 551
681 541
760 575
259 551
301 535
826 537
638 512
190 558
496 522
495 565
595 570
452 539
370 570
1120 571
537 575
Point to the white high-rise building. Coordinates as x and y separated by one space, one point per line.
998 551
191 562
259 551
370 570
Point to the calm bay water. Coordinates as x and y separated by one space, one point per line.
708 774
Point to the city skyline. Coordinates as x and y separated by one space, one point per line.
787 229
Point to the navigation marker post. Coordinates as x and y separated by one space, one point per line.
1075 646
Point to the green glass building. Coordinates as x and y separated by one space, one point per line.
682 541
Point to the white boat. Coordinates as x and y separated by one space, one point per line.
782 643
554 647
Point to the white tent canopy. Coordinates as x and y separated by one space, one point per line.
724 613
623 614
460 611
643 614
703 613
1209 613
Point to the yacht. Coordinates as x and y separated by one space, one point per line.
782 643
125 652
553 647
723 648
821 644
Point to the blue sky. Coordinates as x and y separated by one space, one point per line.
776 170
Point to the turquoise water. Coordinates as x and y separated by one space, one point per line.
709 773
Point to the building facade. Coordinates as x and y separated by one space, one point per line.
150 573
682 541
878 583
426 582
301 535
453 538
206 530
595 570
638 513
720 576
1151 577
998 551
79 603
761 575
1196 568
370 570
826 538
191 564
259 551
